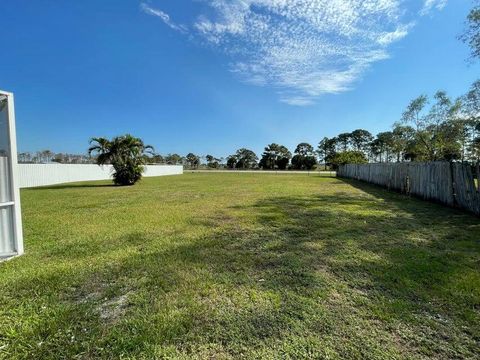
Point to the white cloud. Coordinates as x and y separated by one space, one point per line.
430 5
304 48
297 101
388 38
163 16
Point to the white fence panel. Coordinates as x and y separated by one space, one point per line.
162 170
33 175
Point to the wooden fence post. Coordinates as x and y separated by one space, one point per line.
454 184
478 175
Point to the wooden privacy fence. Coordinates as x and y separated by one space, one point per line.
451 184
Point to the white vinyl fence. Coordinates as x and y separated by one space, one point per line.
33 175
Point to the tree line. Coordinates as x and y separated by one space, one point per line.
441 129
437 129
48 156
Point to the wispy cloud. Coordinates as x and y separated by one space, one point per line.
163 16
430 5
304 48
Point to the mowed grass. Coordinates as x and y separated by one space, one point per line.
229 266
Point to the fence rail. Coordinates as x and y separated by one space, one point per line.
451 184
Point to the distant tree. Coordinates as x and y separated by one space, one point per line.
246 159
304 149
48 154
38 157
212 162
157 159
471 36
360 140
25 157
343 140
331 150
192 160
173 159
322 151
275 157
382 147
44 156
349 157
304 158
126 155
465 129
326 150
232 161
60 158
402 138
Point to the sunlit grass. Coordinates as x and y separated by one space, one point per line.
240 266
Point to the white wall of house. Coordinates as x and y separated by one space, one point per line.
33 175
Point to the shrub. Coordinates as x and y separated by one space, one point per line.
127 155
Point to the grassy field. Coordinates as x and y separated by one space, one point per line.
228 266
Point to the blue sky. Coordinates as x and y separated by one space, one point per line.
212 76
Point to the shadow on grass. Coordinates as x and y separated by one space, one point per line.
379 191
73 186
341 265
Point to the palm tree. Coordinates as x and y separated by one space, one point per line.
127 155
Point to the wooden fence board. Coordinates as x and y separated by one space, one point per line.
451 184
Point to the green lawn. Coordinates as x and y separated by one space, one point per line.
228 266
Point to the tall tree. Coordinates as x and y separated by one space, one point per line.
443 128
212 162
192 160
471 36
413 113
245 159
343 140
232 161
331 147
435 133
360 140
275 157
173 159
304 158
304 149
157 159
402 138
471 101
472 109
25 157
323 150
47 155
383 146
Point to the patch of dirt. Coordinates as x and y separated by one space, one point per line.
111 310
